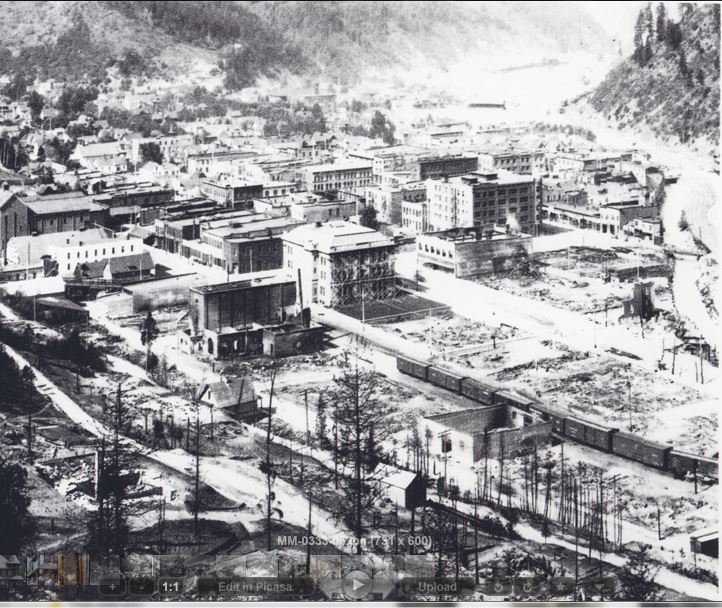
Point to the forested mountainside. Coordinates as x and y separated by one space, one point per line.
670 84
74 39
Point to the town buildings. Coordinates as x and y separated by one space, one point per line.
469 252
171 146
388 199
23 215
212 163
339 176
240 245
340 263
134 203
482 199
229 317
468 436
108 158
415 216
231 194
524 162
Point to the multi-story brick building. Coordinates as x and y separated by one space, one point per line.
341 175
229 317
341 263
484 199
231 194
524 162
415 216
241 246
135 204
432 167
22 215
469 252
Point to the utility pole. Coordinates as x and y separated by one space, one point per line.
701 366
310 487
443 437
674 352
476 538
629 384
196 505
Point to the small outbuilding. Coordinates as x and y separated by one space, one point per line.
406 488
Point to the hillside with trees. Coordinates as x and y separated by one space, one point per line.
77 40
670 83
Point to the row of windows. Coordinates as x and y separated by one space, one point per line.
95 253
435 251
332 177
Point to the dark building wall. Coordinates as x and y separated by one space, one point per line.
13 221
513 441
296 341
66 222
142 199
439 167
260 304
253 256
487 256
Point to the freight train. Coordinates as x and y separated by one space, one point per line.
599 437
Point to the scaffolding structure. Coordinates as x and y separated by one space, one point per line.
362 275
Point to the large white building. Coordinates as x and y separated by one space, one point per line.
68 249
339 176
341 263
483 199
170 145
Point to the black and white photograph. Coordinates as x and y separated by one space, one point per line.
384 302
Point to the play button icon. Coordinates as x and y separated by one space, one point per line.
357 585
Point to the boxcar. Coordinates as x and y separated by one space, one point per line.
574 429
641 450
599 436
447 379
507 397
477 390
412 367
547 414
590 434
708 466
681 463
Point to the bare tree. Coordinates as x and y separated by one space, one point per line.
267 466
359 421
108 525
26 377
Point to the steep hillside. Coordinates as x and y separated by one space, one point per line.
72 39
670 85
342 37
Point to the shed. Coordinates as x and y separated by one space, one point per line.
58 309
225 394
705 542
406 488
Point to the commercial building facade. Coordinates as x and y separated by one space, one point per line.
469 252
343 175
340 263
483 199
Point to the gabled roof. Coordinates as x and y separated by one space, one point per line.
392 476
118 265
58 204
225 394
9 560
110 148
130 263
